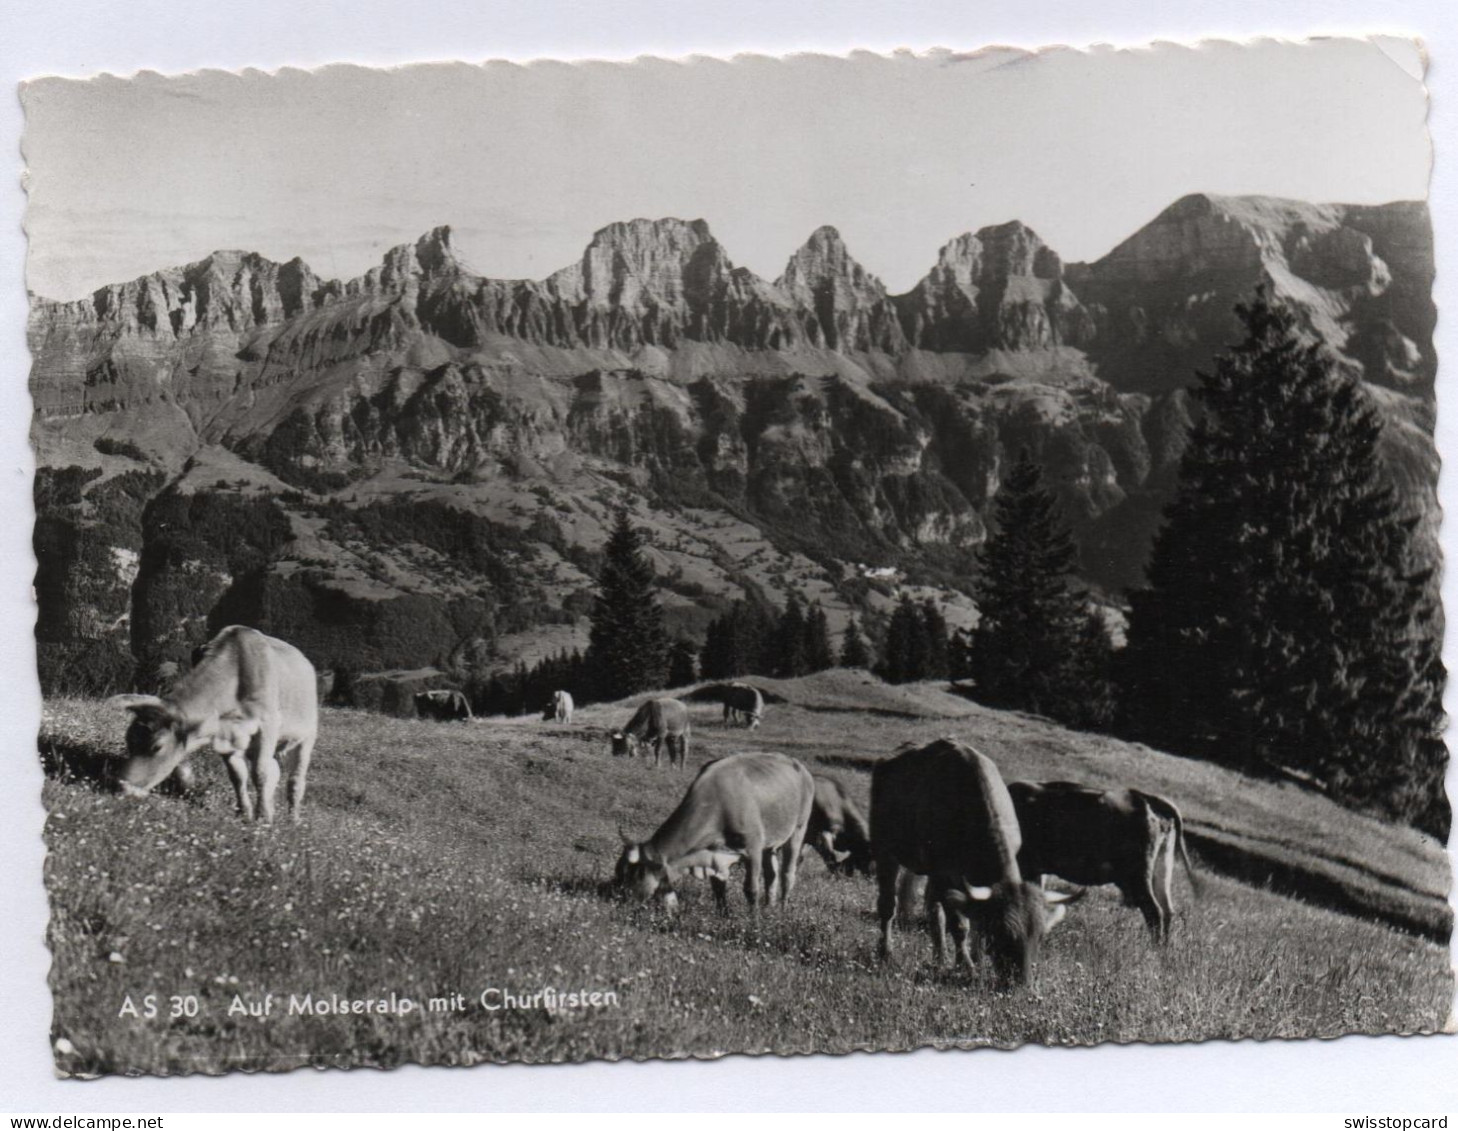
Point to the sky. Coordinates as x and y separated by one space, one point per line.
901 153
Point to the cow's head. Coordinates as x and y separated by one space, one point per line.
624 745
854 854
159 739
643 878
1013 918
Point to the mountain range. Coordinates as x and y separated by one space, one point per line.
435 447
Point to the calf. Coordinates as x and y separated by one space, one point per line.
249 697
752 807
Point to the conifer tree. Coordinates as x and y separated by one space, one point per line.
681 670
905 656
1285 622
818 653
628 647
854 652
790 659
934 630
1030 617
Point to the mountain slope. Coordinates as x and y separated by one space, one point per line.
777 436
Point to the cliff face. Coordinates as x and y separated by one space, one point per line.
821 418
1359 277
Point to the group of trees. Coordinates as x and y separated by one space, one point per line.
1286 626
750 639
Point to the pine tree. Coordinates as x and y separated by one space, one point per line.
681 671
790 659
1284 621
1030 617
934 629
905 657
854 652
818 653
628 647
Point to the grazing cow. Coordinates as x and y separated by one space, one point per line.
1091 836
743 704
252 698
752 807
443 705
942 811
657 722
838 830
562 706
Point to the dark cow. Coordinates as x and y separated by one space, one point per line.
942 811
838 829
1091 836
656 723
443 706
751 807
743 704
249 697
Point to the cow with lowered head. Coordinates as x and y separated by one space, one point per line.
655 724
838 829
752 807
942 811
250 698
1093 836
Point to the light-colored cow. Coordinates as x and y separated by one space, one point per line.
752 808
942 811
562 706
249 697
1092 836
657 723
743 704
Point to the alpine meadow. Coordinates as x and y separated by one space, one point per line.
658 659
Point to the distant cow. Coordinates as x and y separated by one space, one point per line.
1092 836
656 723
743 704
251 698
751 807
562 706
443 705
838 829
942 811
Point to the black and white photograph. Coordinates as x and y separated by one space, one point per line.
571 561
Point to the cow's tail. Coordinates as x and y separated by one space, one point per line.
1167 811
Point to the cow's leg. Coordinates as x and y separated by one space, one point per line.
936 919
1163 878
961 928
754 877
1141 893
774 877
887 871
657 751
299 778
719 885
791 870
264 756
237 763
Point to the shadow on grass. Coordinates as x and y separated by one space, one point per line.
77 763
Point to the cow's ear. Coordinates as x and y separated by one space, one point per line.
1056 914
148 709
980 894
1059 897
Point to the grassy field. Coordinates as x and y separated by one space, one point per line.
450 859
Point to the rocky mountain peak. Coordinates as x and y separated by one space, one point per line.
845 305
